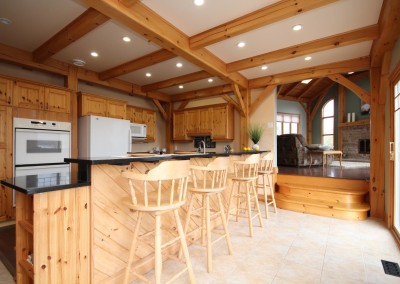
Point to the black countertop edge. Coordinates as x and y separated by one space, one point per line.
18 184
122 160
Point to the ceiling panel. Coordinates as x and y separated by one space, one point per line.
325 21
319 58
34 22
107 41
161 71
192 86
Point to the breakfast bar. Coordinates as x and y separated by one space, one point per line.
75 229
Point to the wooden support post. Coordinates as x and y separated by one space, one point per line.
244 121
72 83
161 109
309 124
169 144
341 115
238 95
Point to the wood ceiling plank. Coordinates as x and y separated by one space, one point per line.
389 24
150 25
360 92
290 89
322 91
238 95
183 105
358 64
203 93
310 87
176 81
85 23
136 64
340 40
256 103
270 14
161 109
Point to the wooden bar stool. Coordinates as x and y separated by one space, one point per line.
266 172
208 181
246 174
162 190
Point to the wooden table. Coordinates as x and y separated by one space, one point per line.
325 155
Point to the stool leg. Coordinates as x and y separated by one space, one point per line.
187 221
203 219
184 246
271 186
228 213
248 204
253 188
133 247
221 210
157 246
208 228
265 196
238 201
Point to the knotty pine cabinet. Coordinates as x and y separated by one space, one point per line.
33 96
215 120
6 209
6 90
89 104
145 116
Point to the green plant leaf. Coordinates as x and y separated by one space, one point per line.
255 132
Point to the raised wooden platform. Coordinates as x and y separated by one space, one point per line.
323 196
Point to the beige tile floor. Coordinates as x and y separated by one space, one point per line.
294 248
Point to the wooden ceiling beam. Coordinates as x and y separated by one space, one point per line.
128 3
360 92
358 64
136 64
157 30
292 99
160 108
325 89
85 23
270 14
291 88
176 81
310 87
389 27
256 103
183 105
228 99
203 93
239 97
340 40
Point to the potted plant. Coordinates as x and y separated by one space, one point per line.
255 132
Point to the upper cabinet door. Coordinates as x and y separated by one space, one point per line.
149 118
57 100
179 126
205 120
6 87
92 105
116 109
192 121
28 95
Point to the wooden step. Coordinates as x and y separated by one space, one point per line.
350 211
333 195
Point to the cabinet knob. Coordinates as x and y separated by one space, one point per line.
9 100
47 105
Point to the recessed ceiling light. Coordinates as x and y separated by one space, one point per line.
148 74
179 65
264 67
126 39
210 80
5 21
351 72
241 44
180 86
78 62
306 81
307 58
198 2
297 27
94 54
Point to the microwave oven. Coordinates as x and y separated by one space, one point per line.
138 131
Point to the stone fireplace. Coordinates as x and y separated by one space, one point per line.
356 142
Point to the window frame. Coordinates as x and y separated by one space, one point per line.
325 117
290 125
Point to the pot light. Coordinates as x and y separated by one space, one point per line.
126 39
198 2
210 80
5 21
179 65
306 81
351 72
180 87
241 44
264 67
297 27
307 58
148 74
78 62
94 54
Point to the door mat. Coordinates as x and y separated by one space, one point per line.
391 268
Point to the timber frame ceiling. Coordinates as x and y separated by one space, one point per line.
341 36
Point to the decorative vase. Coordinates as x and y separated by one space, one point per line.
256 147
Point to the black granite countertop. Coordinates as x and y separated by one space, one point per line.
33 184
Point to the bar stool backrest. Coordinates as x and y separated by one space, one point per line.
212 176
162 188
248 168
266 163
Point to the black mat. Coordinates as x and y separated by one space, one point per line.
7 248
391 268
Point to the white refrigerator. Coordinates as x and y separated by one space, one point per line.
103 136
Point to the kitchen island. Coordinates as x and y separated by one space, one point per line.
75 229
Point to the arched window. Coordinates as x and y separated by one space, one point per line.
327 121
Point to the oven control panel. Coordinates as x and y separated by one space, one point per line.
41 124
